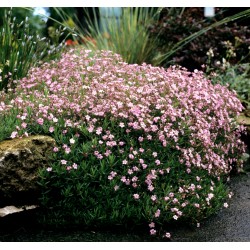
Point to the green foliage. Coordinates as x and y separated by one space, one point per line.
128 35
86 197
8 124
36 24
21 49
200 32
236 77
225 72
132 35
178 25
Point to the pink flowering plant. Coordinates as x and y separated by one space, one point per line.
136 144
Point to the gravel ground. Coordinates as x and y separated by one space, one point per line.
231 224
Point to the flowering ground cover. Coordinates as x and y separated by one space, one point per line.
136 144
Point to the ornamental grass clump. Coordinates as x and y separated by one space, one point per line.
136 144
21 48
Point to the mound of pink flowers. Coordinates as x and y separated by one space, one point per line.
165 112
165 105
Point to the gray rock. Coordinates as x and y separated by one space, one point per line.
12 209
20 160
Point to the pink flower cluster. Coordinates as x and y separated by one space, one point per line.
161 106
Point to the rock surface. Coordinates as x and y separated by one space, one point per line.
12 209
20 160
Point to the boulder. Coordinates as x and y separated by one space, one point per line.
20 160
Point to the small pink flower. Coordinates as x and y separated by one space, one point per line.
175 217
152 224
121 124
141 161
140 139
150 188
136 196
49 169
124 162
134 179
74 165
99 130
130 171
99 156
152 231
179 213
14 134
40 121
51 129
197 205
67 150
55 120
107 153
113 174
123 179
154 154
168 235
153 197
168 170
157 213
210 196
55 149
175 200
63 162
198 178
184 204
131 156
157 162
110 177
135 168
225 205
149 137
72 141
90 129
141 150
24 125
134 185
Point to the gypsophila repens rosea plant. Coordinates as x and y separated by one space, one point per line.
135 144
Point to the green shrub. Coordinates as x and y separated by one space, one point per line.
135 144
